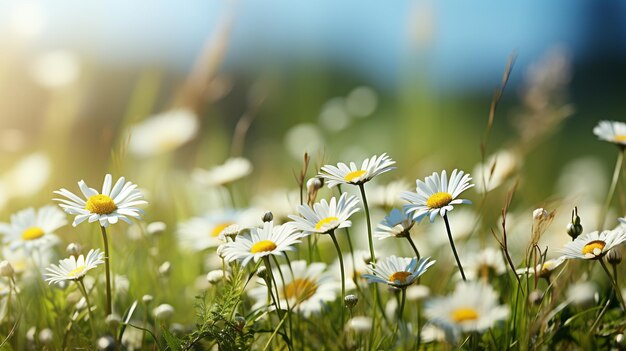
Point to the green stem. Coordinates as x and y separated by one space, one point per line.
369 223
107 268
417 253
609 196
617 290
81 287
343 274
347 229
456 255
282 278
400 312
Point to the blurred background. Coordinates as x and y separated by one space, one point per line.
271 79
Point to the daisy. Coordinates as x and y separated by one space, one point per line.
398 272
73 268
485 264
594 245
325 217
370 168
495 171
233 169
611 131
32 228
436 195
201 233
543 269
260 242
395 225
472 307
306 291
108 206
163 133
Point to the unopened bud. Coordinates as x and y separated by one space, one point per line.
163 311
46 336
147 299
535 297
614 257
73 249
314 184
164 269
262 272
351 301
113 320
6 269
268 216
574 228
240 322
106 343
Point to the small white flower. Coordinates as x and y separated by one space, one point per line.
359 324
163 312
108 206
472 307
201 233
611 131
483 263
233 169
73 268
387 195
33 229
370 168
581 293
436 195
269 240
325 217
594 245
398 272
307 290
163 133
396 224
495 171
544 270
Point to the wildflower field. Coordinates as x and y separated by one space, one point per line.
307 211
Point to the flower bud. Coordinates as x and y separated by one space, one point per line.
147 299
106 343
351 301
164 269
574 228
268 216
163 311
73 249
314 184
113 320
46 336
614 256
262 273
6 269
215 276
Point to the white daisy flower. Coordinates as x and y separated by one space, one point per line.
325 217
233 169
436 195
387 195
611 131
201 233
108 206
594 245
370 168
32 228
543 269
163 132
307 290
485 263
396 224
73 268
495 171
398 272
260 242
472 307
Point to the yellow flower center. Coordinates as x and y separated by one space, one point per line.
354 175
399 277
263 246
219 228
620 138
300 289
325 221
461 315
438 200
76 271
595 248
32 233
100 204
